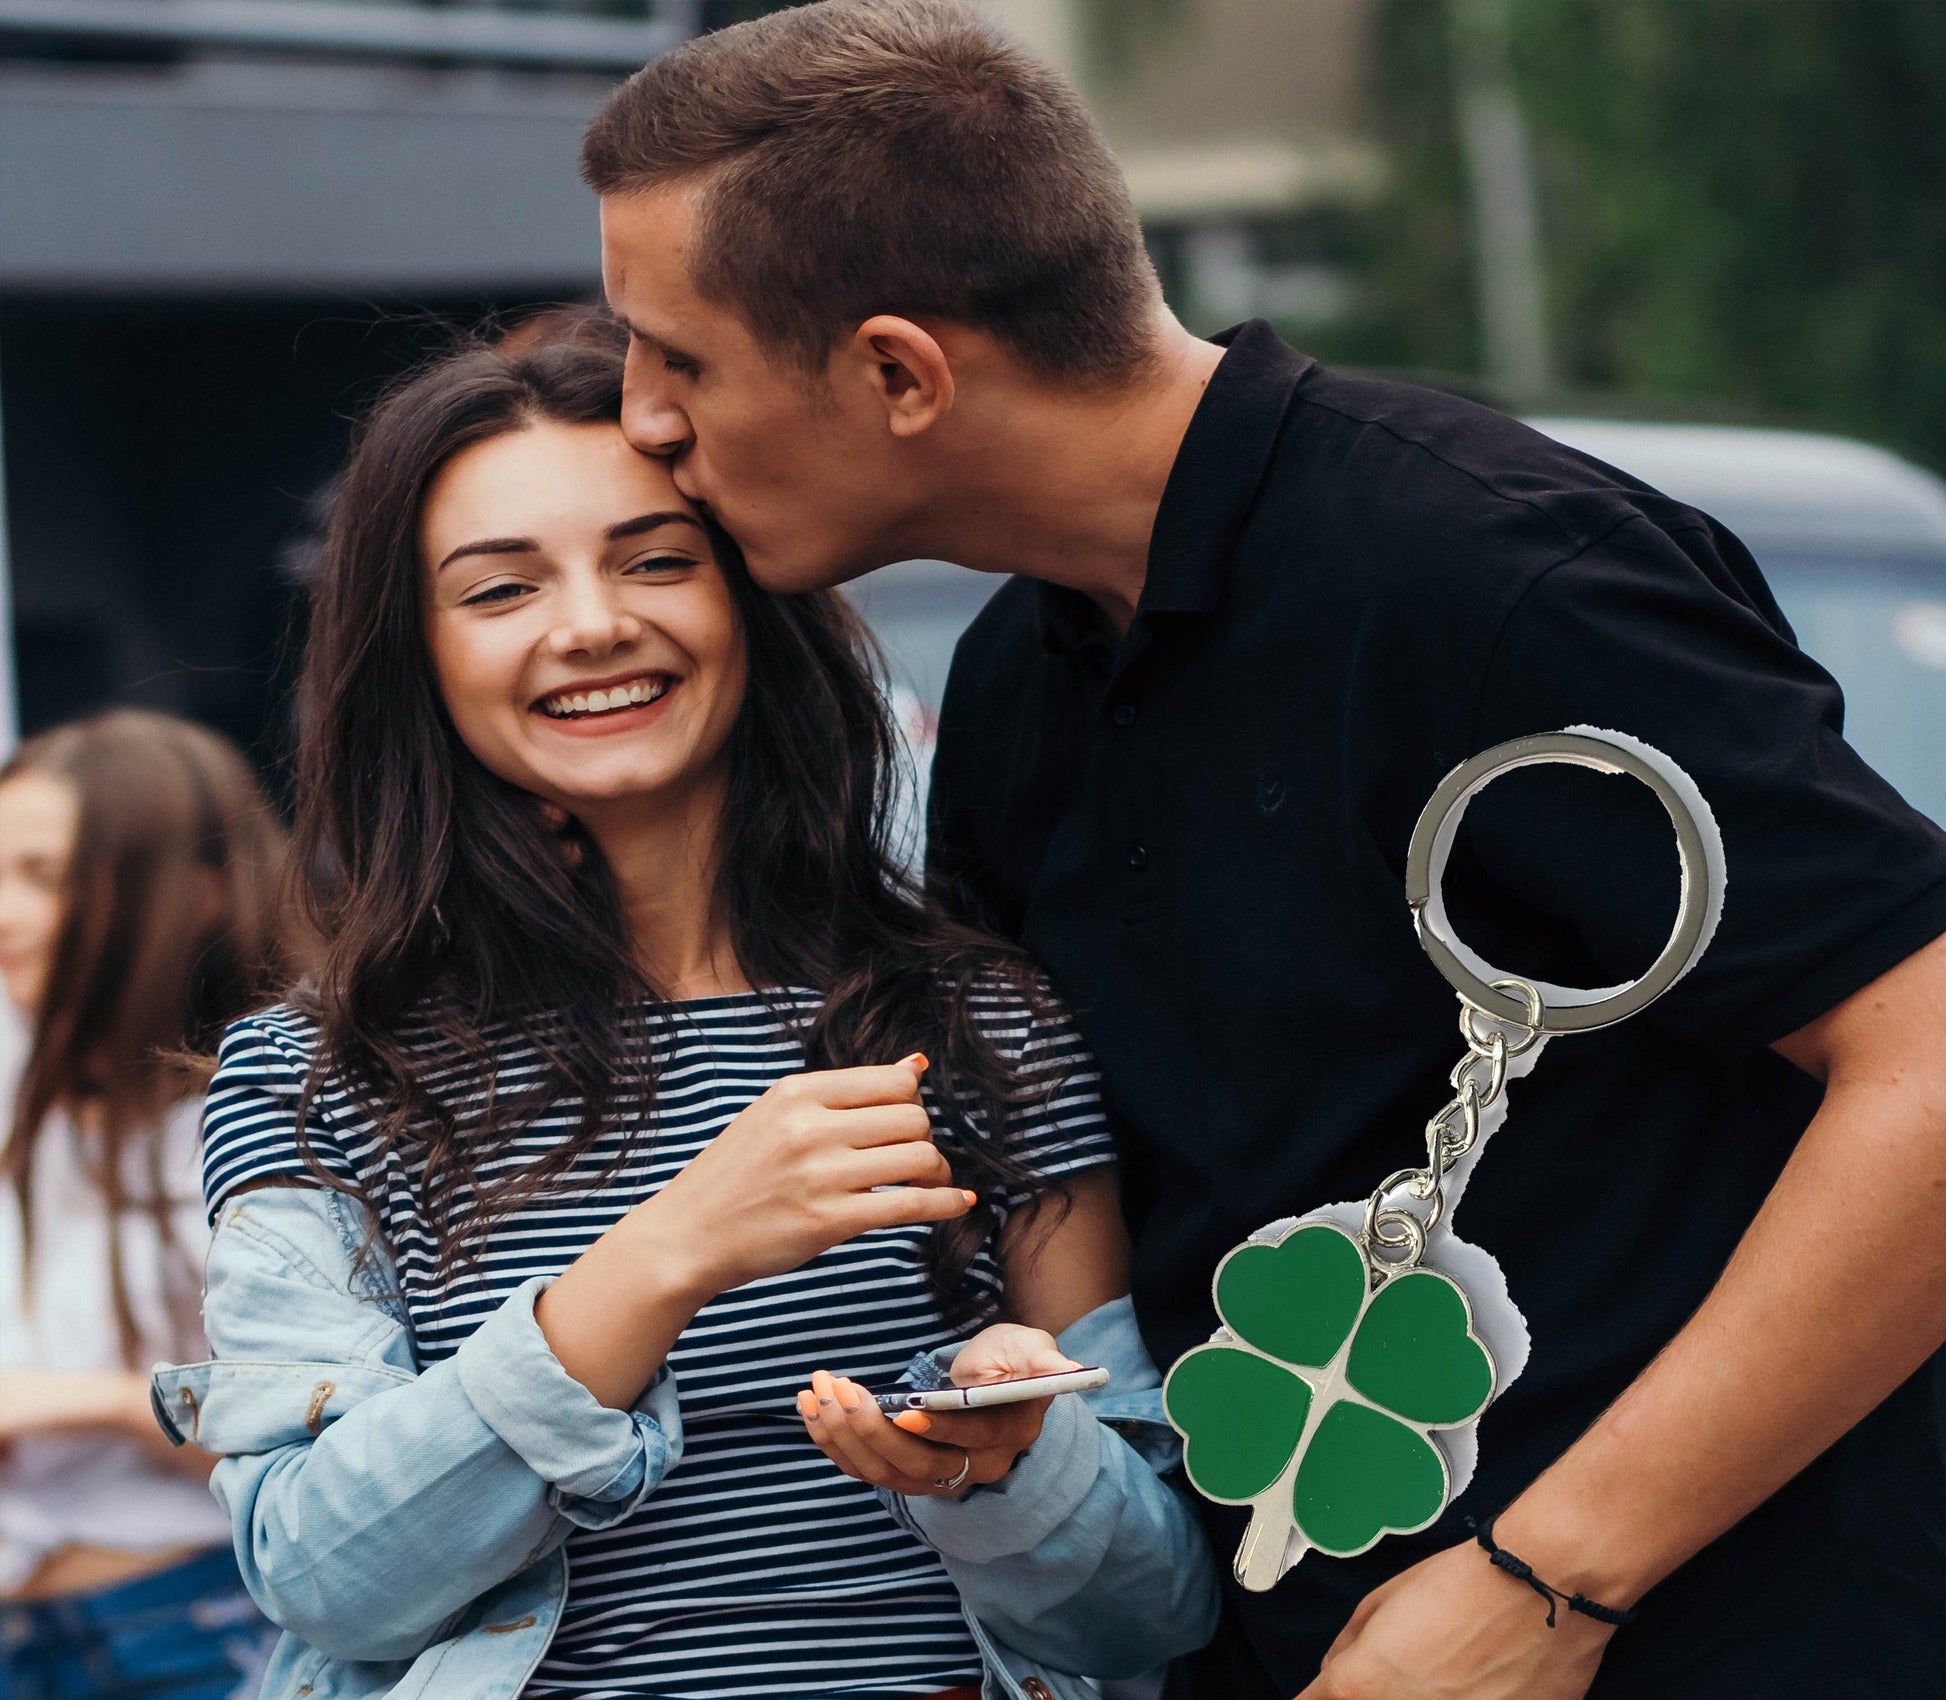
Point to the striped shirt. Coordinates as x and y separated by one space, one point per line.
756 1568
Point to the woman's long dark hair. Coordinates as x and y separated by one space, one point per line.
171 928
455 918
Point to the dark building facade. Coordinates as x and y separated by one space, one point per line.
221 228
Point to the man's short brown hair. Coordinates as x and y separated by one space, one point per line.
890 156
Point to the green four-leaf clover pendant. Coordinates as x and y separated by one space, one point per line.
1318 1411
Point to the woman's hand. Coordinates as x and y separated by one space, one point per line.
791 1177
795 1174
916 1451
1058 1268
40 1402
1005 1352
111 1403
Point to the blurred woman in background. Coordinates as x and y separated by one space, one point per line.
139 871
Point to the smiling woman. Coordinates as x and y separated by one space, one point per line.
635 1061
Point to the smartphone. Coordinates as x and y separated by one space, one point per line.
984 1393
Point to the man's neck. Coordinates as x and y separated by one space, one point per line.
1065 486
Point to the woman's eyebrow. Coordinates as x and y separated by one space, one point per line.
635 527
642 523
491 546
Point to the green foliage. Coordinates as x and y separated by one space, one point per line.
1335 1379
1743 204
1416 312
1117 34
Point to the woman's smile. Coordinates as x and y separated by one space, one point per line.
599 706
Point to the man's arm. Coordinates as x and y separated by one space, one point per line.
1836 1294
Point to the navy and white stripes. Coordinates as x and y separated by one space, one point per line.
756 1568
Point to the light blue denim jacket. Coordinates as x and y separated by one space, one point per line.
405 1526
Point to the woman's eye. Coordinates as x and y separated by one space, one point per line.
492 594
681 368
660 564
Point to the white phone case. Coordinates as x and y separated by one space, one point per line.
994 1392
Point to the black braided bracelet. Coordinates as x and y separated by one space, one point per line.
1521 1571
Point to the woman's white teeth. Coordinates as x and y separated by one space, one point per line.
603 702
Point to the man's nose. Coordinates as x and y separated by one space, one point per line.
652 420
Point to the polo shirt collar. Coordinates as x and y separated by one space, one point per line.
1211 489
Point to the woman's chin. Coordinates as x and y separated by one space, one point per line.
594 790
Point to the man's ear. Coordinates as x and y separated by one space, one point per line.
906 370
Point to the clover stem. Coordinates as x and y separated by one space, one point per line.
1260 1554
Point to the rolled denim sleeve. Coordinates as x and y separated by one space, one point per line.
371 1501
1084 1557
1015 1515
598 1463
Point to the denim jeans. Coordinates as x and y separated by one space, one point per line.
186 1633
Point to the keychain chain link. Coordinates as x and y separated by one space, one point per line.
1394 1237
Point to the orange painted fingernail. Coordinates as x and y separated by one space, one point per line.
822 1385
856 1395
917 1061
914 1422
972 1198
807 1405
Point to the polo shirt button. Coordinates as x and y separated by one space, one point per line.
1125 714
1138 855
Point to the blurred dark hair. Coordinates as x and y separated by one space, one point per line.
455 918
171 928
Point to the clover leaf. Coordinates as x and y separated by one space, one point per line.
1315 1407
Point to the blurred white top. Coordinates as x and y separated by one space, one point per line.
86 1488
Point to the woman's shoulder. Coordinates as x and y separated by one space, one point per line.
250 1115
1055 1124
270 1046
1021 1015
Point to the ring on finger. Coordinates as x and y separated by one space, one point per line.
948 1484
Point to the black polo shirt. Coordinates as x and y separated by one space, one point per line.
1200 830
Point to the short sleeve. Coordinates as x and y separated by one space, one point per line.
1832 878
1058 1126
250 1118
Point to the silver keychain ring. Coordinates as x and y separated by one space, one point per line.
1698 852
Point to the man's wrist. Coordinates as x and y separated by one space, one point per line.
1588 1542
